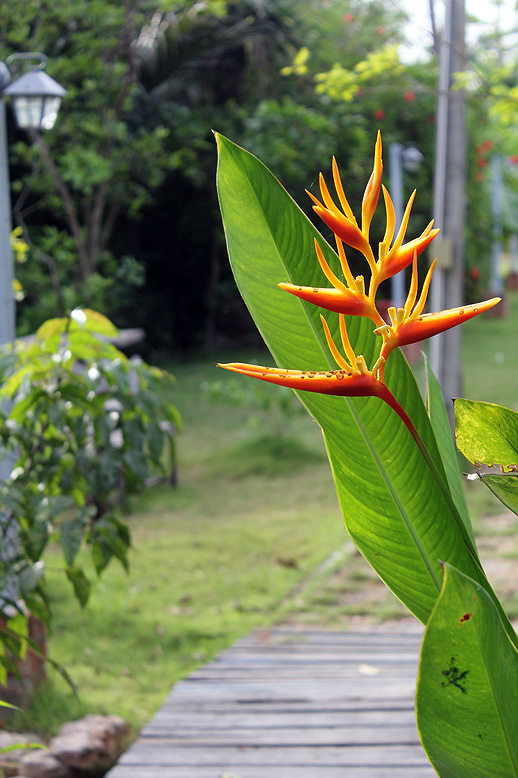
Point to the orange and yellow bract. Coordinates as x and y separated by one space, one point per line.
350 296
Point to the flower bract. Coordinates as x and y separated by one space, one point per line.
349 296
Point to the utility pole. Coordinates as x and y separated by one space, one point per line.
449 204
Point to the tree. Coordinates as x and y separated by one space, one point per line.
111 201
71 186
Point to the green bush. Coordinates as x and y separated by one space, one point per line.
82 425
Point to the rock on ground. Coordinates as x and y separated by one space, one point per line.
87 747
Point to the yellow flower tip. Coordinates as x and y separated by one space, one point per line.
242 367
361 365
391 218
315 199
340 192
393 315
373 188
380 362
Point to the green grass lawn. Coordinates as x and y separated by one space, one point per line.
490 355
239 543
211 559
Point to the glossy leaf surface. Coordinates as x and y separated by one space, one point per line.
505 487
486 432
393 507
441 426
467 697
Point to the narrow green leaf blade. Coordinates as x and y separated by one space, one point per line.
467 695
441 426
392 506
486 433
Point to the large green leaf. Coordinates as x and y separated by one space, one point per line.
394 508
441 426
467 695
486 432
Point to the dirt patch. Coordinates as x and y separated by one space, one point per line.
344 592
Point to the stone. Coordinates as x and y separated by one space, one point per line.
8 739
42 764
90 745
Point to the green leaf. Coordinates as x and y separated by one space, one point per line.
487 433
101 553
96 322
17 746
37 607
71 536
80 583
4 704
51 327
441 426
394 509
505 487
467 696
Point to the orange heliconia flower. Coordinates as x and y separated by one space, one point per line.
411 325
336 382
349 297
353 379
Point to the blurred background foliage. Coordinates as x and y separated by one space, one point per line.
118 204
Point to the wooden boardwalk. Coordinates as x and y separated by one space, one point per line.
290 704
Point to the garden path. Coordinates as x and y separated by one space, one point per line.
291 703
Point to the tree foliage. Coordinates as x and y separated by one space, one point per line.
111 200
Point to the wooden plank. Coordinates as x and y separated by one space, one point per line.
285 771
238 758
274 736
290 704
230 719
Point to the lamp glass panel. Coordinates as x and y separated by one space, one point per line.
50 112
27 111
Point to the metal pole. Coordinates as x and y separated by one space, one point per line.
9 585
7 327
455 208
396 192
437 290
451 207
497 286
513 254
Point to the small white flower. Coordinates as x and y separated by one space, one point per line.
78 316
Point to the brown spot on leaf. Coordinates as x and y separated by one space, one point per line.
466 617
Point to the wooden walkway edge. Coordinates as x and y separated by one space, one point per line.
290 703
